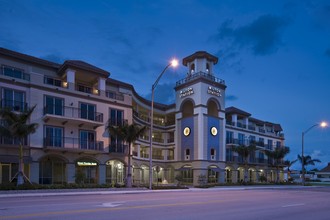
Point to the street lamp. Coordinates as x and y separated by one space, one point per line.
322 124
173 63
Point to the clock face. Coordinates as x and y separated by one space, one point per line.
214 131
186 131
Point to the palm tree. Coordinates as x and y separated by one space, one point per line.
308 161
15 125
277 156
244 152
129 134
289 163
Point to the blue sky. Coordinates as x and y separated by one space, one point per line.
273 55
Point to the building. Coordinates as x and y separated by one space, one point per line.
75 101
324 174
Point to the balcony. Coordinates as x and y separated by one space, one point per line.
65 114
116 122
14 73
200 75
12 141
254 128
241 125
230 123
114 95
118 148
13 105
140 116
54 82
68 143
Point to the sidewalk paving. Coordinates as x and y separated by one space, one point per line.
104 191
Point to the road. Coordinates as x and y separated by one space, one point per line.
309 203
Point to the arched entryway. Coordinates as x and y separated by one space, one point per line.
213 174
230 172
186 174
52 170
86 171
115 172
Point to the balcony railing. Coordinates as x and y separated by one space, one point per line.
114 95
72 143
72 112
12 141
254 128
143 117
15 73
200 75
116 122
14 105
53 81
118 148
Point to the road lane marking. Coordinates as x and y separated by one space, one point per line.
293 205
68 212
111 204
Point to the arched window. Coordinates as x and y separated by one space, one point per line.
207 67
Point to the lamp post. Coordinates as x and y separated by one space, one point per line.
173 63
322 124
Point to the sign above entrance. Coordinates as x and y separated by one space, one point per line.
214 91
80 163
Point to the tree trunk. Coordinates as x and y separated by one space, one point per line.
277 175
20 174
129 168
246 172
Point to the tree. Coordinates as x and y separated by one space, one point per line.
15 125
289 163
277 156
245 152
129 134
308 161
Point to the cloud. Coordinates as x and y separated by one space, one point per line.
262 36
231 98
54 58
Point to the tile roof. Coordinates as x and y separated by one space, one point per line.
232 109
84 66
200 54
28 58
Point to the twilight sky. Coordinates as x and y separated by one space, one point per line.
274 55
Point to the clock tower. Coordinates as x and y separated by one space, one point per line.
200 118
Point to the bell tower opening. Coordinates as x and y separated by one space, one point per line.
187 109
212 108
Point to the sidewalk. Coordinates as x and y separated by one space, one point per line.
103 191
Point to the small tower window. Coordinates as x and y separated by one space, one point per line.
187 154
192 68
207 67
213 153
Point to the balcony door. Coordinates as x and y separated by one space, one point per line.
13 99
87 140
53 136
87 111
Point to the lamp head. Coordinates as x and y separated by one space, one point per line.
174 63
323 124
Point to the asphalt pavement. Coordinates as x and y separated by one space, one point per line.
103 191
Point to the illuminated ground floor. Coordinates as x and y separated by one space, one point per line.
55 167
